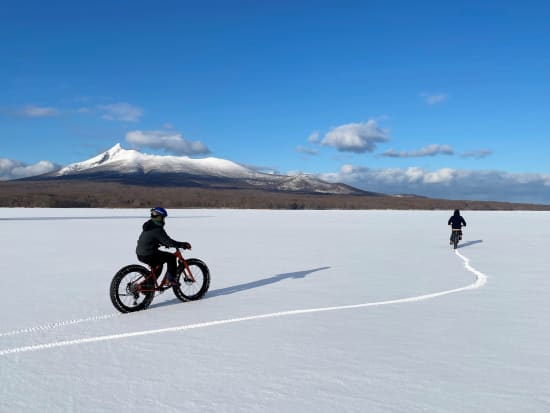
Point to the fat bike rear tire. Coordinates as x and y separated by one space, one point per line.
192 290
455 240
125 293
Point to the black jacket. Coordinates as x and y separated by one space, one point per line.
456 221
152 237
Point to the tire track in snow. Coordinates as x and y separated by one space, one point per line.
58 324
480 281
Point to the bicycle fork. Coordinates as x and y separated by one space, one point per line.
186 271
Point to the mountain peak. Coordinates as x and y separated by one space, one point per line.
131 166
110 154
115 149
101 159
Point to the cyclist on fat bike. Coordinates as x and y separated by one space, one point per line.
154 236
456 222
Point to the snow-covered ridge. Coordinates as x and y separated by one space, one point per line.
131 161
131 165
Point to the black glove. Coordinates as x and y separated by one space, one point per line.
184 245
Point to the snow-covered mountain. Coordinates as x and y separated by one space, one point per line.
133 167
124 161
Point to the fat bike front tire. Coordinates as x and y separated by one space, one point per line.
125 291
192 290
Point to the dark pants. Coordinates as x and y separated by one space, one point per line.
159 258
459 235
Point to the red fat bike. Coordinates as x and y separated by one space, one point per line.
134 287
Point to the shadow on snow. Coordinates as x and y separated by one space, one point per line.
468 243
250 285
260 283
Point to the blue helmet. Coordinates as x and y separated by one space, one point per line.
158 211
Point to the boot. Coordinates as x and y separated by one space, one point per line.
170 281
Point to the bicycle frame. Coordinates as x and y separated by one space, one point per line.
188 275
155 273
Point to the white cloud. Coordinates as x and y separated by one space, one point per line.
170 141
356 137
314 137
121 112
430 150
32 111
434 99
477 154
441 176
307 151
10 169
448 183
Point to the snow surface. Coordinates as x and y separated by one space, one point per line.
308 311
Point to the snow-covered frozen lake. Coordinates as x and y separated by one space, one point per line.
308 311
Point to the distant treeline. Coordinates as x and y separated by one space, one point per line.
92 194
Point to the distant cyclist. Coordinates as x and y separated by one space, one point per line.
154 236
456 222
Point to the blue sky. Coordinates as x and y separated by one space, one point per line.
436 98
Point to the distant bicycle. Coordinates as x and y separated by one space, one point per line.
456 221
134 287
